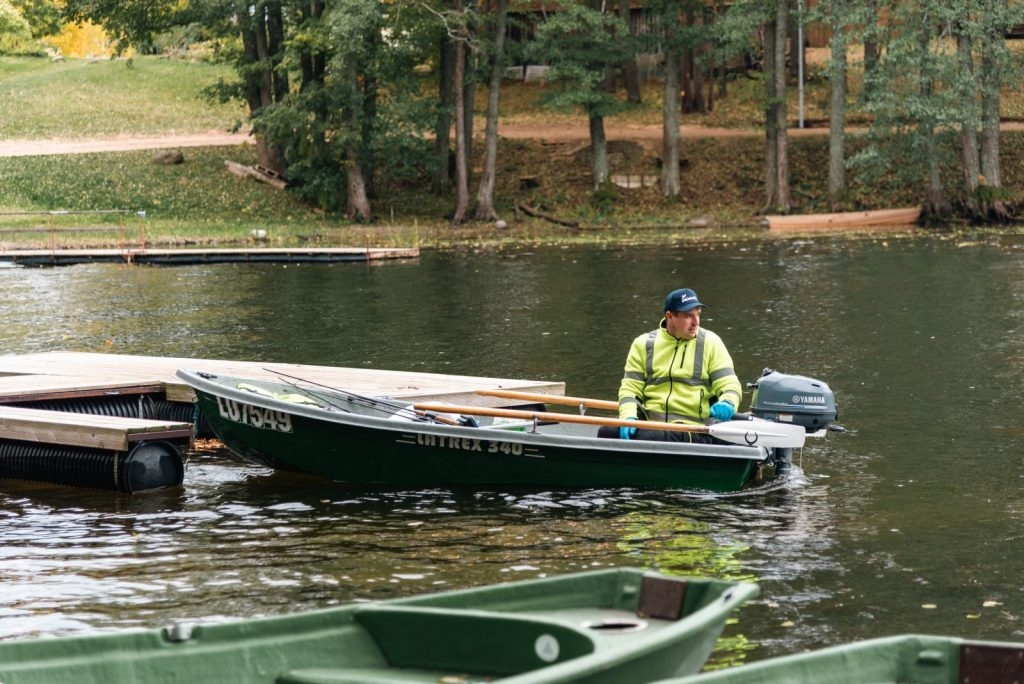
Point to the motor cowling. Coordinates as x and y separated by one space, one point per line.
793 399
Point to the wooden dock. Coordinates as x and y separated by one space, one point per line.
52 375
84 430
62 378
181 257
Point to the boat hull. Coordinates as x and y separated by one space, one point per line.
879 218
591 627
902 659
378 451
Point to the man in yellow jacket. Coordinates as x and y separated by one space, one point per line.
678 373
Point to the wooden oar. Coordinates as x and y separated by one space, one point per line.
551 399
751 433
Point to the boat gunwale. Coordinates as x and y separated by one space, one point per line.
197 639
888 654
580 443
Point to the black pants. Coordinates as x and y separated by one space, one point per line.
609 432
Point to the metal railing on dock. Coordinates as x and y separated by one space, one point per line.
119 233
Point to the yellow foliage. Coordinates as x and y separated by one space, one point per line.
81 41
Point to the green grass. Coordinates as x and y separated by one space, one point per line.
40 98
197 201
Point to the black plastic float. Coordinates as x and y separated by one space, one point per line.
155 464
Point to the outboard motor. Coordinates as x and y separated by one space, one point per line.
793 399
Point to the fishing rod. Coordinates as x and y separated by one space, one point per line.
393 408
314 393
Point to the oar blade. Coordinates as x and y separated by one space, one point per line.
762 433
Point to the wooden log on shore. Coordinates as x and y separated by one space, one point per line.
547 217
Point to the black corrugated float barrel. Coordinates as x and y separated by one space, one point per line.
128 406
147 465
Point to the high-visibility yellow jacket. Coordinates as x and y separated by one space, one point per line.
674 380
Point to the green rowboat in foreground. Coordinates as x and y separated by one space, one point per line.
903 659
614 625
372 440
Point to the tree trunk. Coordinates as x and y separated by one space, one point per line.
670 186
871 51
443 126
968 130
312 63
357 204
689 82
770 133
837 109
991 81
781 111
276 48
485 194
461 169
258 80
630 71
777 154
599 147
468 100
936 204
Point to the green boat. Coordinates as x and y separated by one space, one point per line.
367 440
903 659
613 625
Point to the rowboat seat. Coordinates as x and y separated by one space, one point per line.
441 642
353 675
291 397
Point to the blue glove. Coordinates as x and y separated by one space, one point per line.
627 432
723 410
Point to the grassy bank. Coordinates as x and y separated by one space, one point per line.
200 202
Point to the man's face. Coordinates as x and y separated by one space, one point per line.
683 325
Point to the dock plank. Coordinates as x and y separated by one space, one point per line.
22 388
84 430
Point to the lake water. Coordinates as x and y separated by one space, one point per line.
909 521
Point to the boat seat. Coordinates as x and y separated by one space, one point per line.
291 397
445 641
353 675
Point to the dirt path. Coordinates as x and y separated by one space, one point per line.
553 133
28 148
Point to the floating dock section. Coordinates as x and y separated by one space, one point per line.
180 257
113 421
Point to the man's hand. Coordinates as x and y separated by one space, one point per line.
723 410
627 432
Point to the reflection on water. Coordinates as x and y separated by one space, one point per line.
246 541
908 522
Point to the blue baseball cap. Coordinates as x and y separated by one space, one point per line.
681 300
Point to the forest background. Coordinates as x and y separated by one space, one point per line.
366 127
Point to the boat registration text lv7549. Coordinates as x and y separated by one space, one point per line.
246 414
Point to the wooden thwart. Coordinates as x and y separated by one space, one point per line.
84 430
